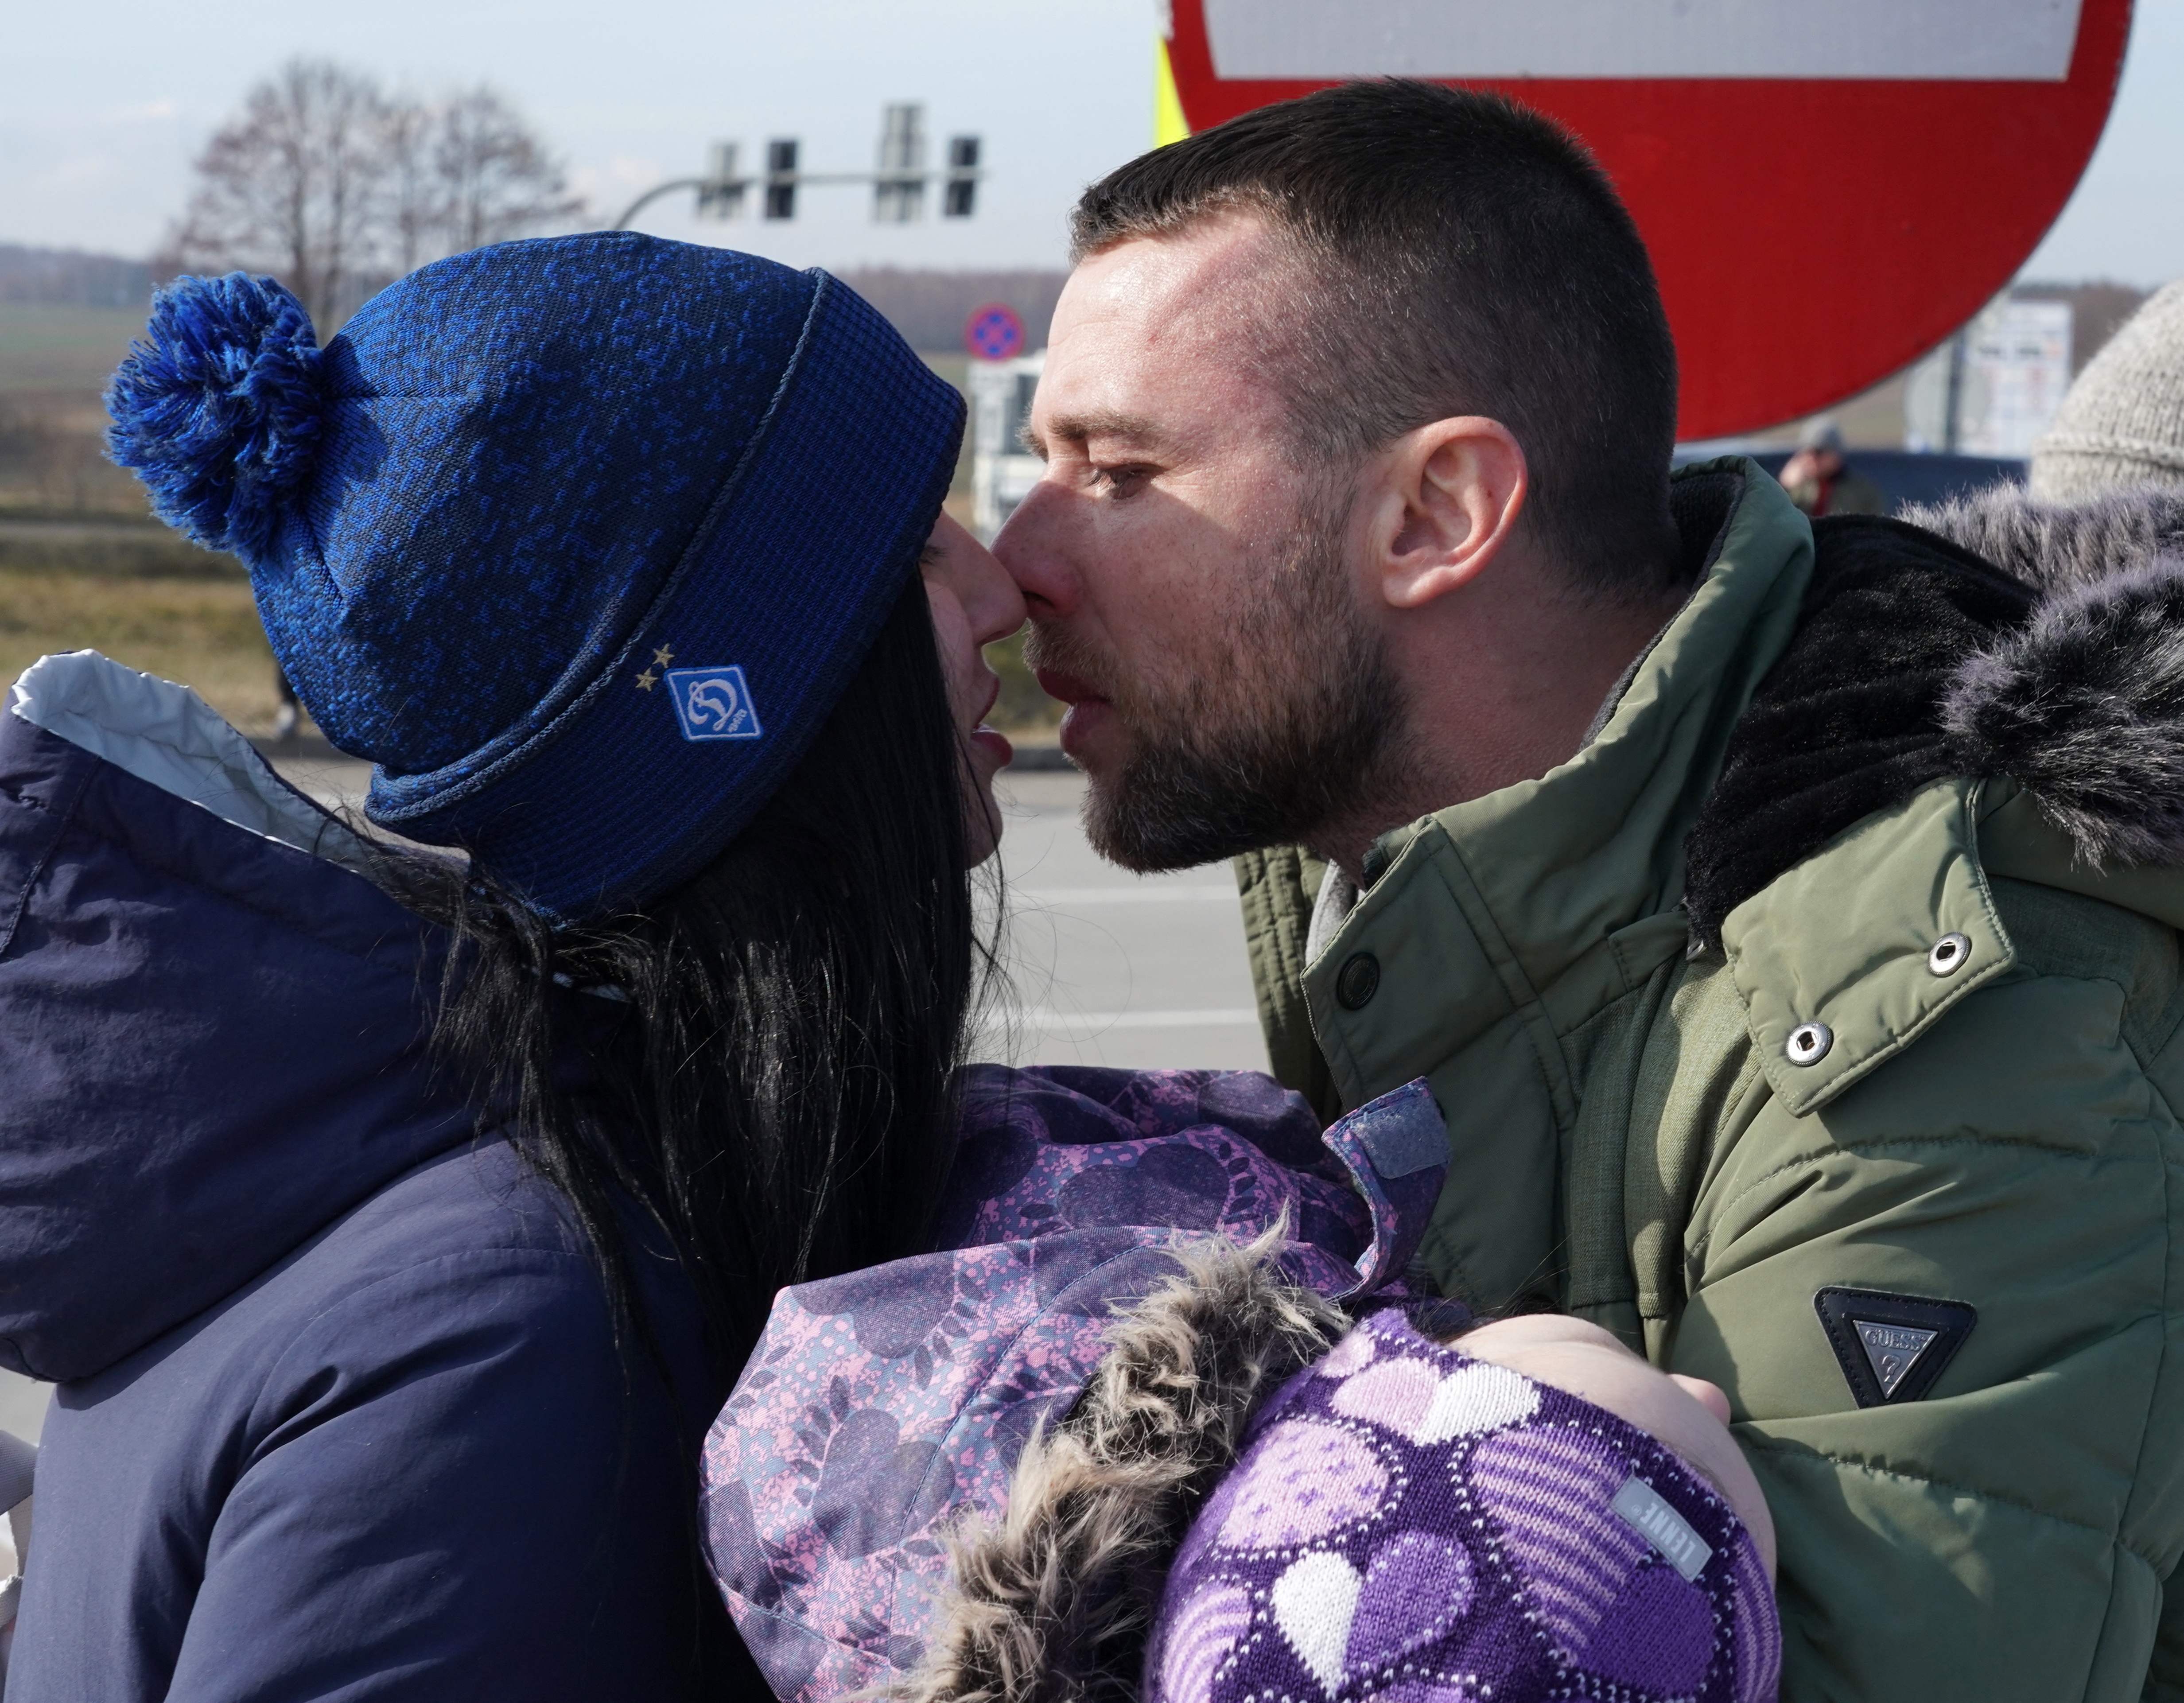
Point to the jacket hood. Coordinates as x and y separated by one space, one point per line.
2057 546
214 1021
1055 1595
1996 637
2082 702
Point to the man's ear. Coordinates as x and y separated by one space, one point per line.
1449 498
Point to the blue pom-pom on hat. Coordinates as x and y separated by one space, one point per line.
217 410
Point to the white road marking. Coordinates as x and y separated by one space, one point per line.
1213 1017
1123 895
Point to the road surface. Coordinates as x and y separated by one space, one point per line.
1108 968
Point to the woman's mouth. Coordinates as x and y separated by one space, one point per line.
987 738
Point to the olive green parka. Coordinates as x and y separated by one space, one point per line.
1840 962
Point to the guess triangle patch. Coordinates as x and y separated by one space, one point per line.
1891 1348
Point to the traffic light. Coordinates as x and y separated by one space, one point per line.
898 185
781 177
961 196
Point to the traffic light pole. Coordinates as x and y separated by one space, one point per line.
653 194
900 180
733 188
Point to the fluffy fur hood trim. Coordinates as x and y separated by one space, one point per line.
2082 705
2055 546
1051 1604
1992 637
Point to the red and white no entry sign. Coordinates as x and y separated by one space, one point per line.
1828 189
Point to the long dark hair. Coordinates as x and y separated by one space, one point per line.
762 1060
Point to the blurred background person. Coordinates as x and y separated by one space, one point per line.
1820 481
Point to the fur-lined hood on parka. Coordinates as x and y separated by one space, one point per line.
883 1408
1993 635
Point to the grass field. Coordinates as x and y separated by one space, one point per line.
55 350
149 600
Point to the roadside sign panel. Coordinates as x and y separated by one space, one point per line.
1828 191
994 332
1002 471
2003 375
2017 366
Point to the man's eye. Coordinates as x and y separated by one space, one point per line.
1122 481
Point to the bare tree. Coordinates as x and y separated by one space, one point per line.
496 179
414 208
332 186
292 186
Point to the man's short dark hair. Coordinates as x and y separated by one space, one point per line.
1461 255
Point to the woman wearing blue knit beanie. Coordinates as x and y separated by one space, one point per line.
395 1221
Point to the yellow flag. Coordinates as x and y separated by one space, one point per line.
1169 123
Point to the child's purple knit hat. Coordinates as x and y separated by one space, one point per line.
1409 1524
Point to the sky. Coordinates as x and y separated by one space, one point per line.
104 103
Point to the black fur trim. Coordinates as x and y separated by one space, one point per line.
1847 722
1703 505
2084 706
2056 545
2038 641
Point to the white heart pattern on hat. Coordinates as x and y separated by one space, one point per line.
1415 1587
1315 1599
1409 1397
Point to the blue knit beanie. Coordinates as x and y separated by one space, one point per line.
579 540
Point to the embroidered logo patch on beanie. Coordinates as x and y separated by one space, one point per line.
714 704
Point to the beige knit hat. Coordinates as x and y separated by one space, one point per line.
2122 424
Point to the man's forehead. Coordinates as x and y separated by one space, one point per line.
1157 329
1209 278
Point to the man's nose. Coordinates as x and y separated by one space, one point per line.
1032 546
998 609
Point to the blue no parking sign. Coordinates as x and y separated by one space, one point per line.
993 333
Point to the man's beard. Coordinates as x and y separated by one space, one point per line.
1283 724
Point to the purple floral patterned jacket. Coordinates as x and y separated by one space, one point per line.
965 1476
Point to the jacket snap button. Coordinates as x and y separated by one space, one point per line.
1809 1043
1951 953
1357 982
